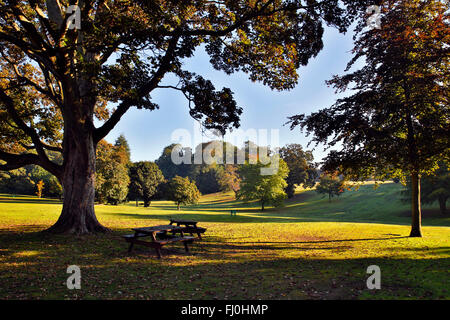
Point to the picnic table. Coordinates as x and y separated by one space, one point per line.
189 227
159 236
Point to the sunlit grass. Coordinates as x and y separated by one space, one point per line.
310 249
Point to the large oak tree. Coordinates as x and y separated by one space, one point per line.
57 74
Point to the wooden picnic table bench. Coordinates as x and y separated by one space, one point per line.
189 227
158 237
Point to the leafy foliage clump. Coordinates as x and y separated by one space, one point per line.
331 185
112 177
302 170
145 177
267 189
182 191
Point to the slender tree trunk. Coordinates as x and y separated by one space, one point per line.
416 213
262 205
78 179
443 205
178 206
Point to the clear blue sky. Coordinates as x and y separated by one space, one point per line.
148 132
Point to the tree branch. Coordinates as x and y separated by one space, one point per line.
32 53
49 92
16 161
44 161
31 30
166 63
44 145
246 17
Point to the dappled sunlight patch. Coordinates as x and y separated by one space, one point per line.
16 264
27 253
90 255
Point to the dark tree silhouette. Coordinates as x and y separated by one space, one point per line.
396 122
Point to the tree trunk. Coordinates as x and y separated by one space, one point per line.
178 206
415 206
78 179
262 205
414 162
443 205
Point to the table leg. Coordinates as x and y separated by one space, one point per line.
132 242
158 252
156 246
130 247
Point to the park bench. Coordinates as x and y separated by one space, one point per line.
189 227
158 237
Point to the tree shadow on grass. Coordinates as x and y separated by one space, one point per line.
332 241
444 251
253 214
28 236
142 276
215 268
241 247
204 217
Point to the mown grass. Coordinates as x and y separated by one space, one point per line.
310 249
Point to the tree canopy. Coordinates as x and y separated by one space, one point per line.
168 167
145 178
182 191
112 178
331 185
267 189
302 170
395 122
122 142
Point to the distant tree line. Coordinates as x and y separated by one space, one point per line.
119 180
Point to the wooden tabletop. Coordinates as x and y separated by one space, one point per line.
156 228
183 221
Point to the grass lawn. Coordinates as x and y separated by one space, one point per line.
310 249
